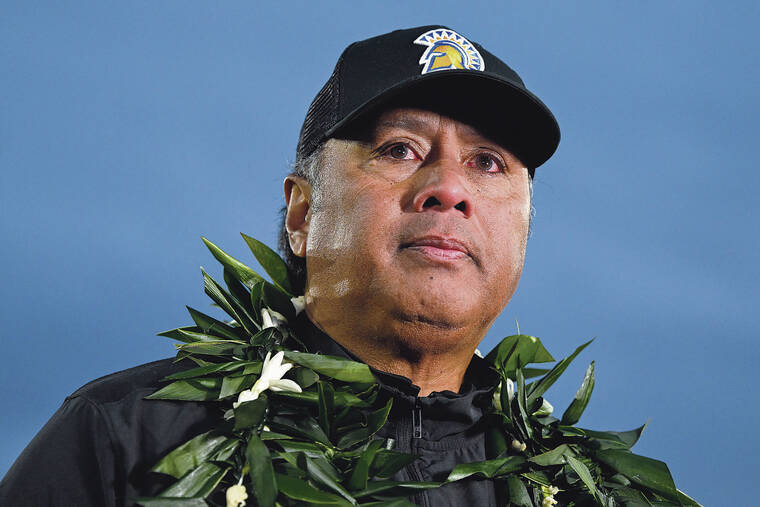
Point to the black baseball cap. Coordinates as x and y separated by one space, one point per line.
431 67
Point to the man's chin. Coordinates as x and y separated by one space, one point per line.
443 323
432 334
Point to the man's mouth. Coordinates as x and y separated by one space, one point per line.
437 248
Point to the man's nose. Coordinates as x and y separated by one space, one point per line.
442 186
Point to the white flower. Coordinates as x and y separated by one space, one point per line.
299 304
510 389
518 446
236 496
549 492
271 318
271 378
545 409
548 501
266 319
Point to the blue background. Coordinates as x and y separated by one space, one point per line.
129 129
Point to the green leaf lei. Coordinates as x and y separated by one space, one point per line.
301 432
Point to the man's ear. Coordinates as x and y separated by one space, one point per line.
298 204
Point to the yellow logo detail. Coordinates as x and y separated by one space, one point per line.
446 57
448 50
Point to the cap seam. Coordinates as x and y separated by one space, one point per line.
339 85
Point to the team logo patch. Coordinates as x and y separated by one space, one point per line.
448 50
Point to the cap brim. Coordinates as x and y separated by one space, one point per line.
501 110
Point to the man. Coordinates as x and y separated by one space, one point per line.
406 222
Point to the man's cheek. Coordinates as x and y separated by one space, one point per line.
328 233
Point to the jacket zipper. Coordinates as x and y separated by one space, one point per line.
417 419
415 475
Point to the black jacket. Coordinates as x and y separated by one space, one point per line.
98 447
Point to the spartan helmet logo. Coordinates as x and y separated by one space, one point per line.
448 50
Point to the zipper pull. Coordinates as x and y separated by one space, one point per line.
417 419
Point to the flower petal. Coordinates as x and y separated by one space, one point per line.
299 303
271 318
267 361
277 359
545 409
284 369
284 385
510 389
271 364
247 395
266 319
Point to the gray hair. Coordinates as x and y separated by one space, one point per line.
308 168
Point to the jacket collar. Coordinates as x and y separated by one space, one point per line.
445 413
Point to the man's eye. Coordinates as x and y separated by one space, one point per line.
399 152
487 163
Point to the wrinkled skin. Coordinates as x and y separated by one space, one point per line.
414 244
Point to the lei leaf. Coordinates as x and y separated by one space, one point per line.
261 471
334 367
582 397
271 262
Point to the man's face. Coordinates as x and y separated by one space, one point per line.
417 234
